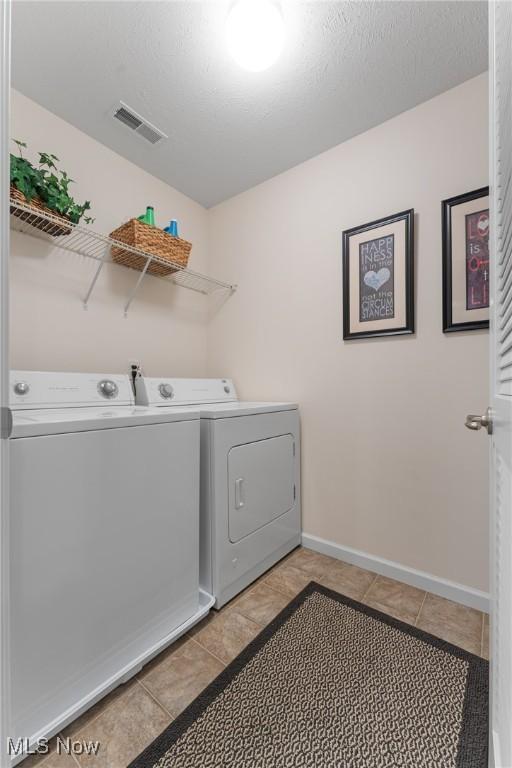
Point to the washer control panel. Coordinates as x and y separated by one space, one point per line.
45 389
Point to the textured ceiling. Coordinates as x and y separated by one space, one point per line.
347 66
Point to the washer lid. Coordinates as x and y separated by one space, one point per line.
58 421
230 410
48 389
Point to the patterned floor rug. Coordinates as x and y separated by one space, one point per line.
331 683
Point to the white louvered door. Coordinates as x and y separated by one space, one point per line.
5 69
501 379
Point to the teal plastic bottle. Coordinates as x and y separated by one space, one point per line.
149 216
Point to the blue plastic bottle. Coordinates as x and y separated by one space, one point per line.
172 229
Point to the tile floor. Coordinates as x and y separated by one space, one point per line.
135 713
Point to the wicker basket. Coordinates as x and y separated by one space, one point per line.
50 227
150 240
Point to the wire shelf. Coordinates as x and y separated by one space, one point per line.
93 245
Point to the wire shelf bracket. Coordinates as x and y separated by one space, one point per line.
93 245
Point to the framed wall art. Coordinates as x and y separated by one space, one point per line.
378 277
466 261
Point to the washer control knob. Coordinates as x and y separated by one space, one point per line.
166 391
227 390
108 388
21 388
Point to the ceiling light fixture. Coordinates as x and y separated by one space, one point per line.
255 33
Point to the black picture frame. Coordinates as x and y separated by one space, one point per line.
408 327
449 326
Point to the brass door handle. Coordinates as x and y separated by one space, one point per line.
477 422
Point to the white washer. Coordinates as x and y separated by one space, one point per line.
250 479
104 532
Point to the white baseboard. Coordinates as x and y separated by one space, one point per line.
495 757
442 587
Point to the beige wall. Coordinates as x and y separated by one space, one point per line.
166 326
388 467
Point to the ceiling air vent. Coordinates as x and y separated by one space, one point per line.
138 124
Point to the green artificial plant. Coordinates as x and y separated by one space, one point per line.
48 183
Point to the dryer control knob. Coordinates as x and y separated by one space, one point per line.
21 388
108 388
166 391
227 390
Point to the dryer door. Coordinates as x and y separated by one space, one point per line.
261 484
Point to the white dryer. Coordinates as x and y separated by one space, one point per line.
104 533
250 479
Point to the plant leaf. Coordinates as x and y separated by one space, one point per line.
47 182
